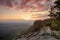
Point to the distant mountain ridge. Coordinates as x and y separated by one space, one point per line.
9 30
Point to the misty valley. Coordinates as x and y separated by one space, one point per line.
9 30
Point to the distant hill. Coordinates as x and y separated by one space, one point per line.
8 30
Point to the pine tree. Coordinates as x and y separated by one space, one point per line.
55 11
55 14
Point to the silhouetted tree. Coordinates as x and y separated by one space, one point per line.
55 14
55 11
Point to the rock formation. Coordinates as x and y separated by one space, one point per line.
40 30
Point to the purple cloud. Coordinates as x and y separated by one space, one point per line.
28 4
6 3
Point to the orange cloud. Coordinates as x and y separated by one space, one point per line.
26 16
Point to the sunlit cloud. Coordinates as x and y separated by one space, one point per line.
36 15
25 5
28 9
26 16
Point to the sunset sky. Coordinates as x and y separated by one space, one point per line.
25 9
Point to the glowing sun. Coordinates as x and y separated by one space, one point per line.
35 15
27 17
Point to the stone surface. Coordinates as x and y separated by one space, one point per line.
40 35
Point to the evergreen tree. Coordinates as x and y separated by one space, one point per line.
55 14
55 11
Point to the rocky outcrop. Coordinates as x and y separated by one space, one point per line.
40 35
40 30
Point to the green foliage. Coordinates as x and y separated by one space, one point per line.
55 24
